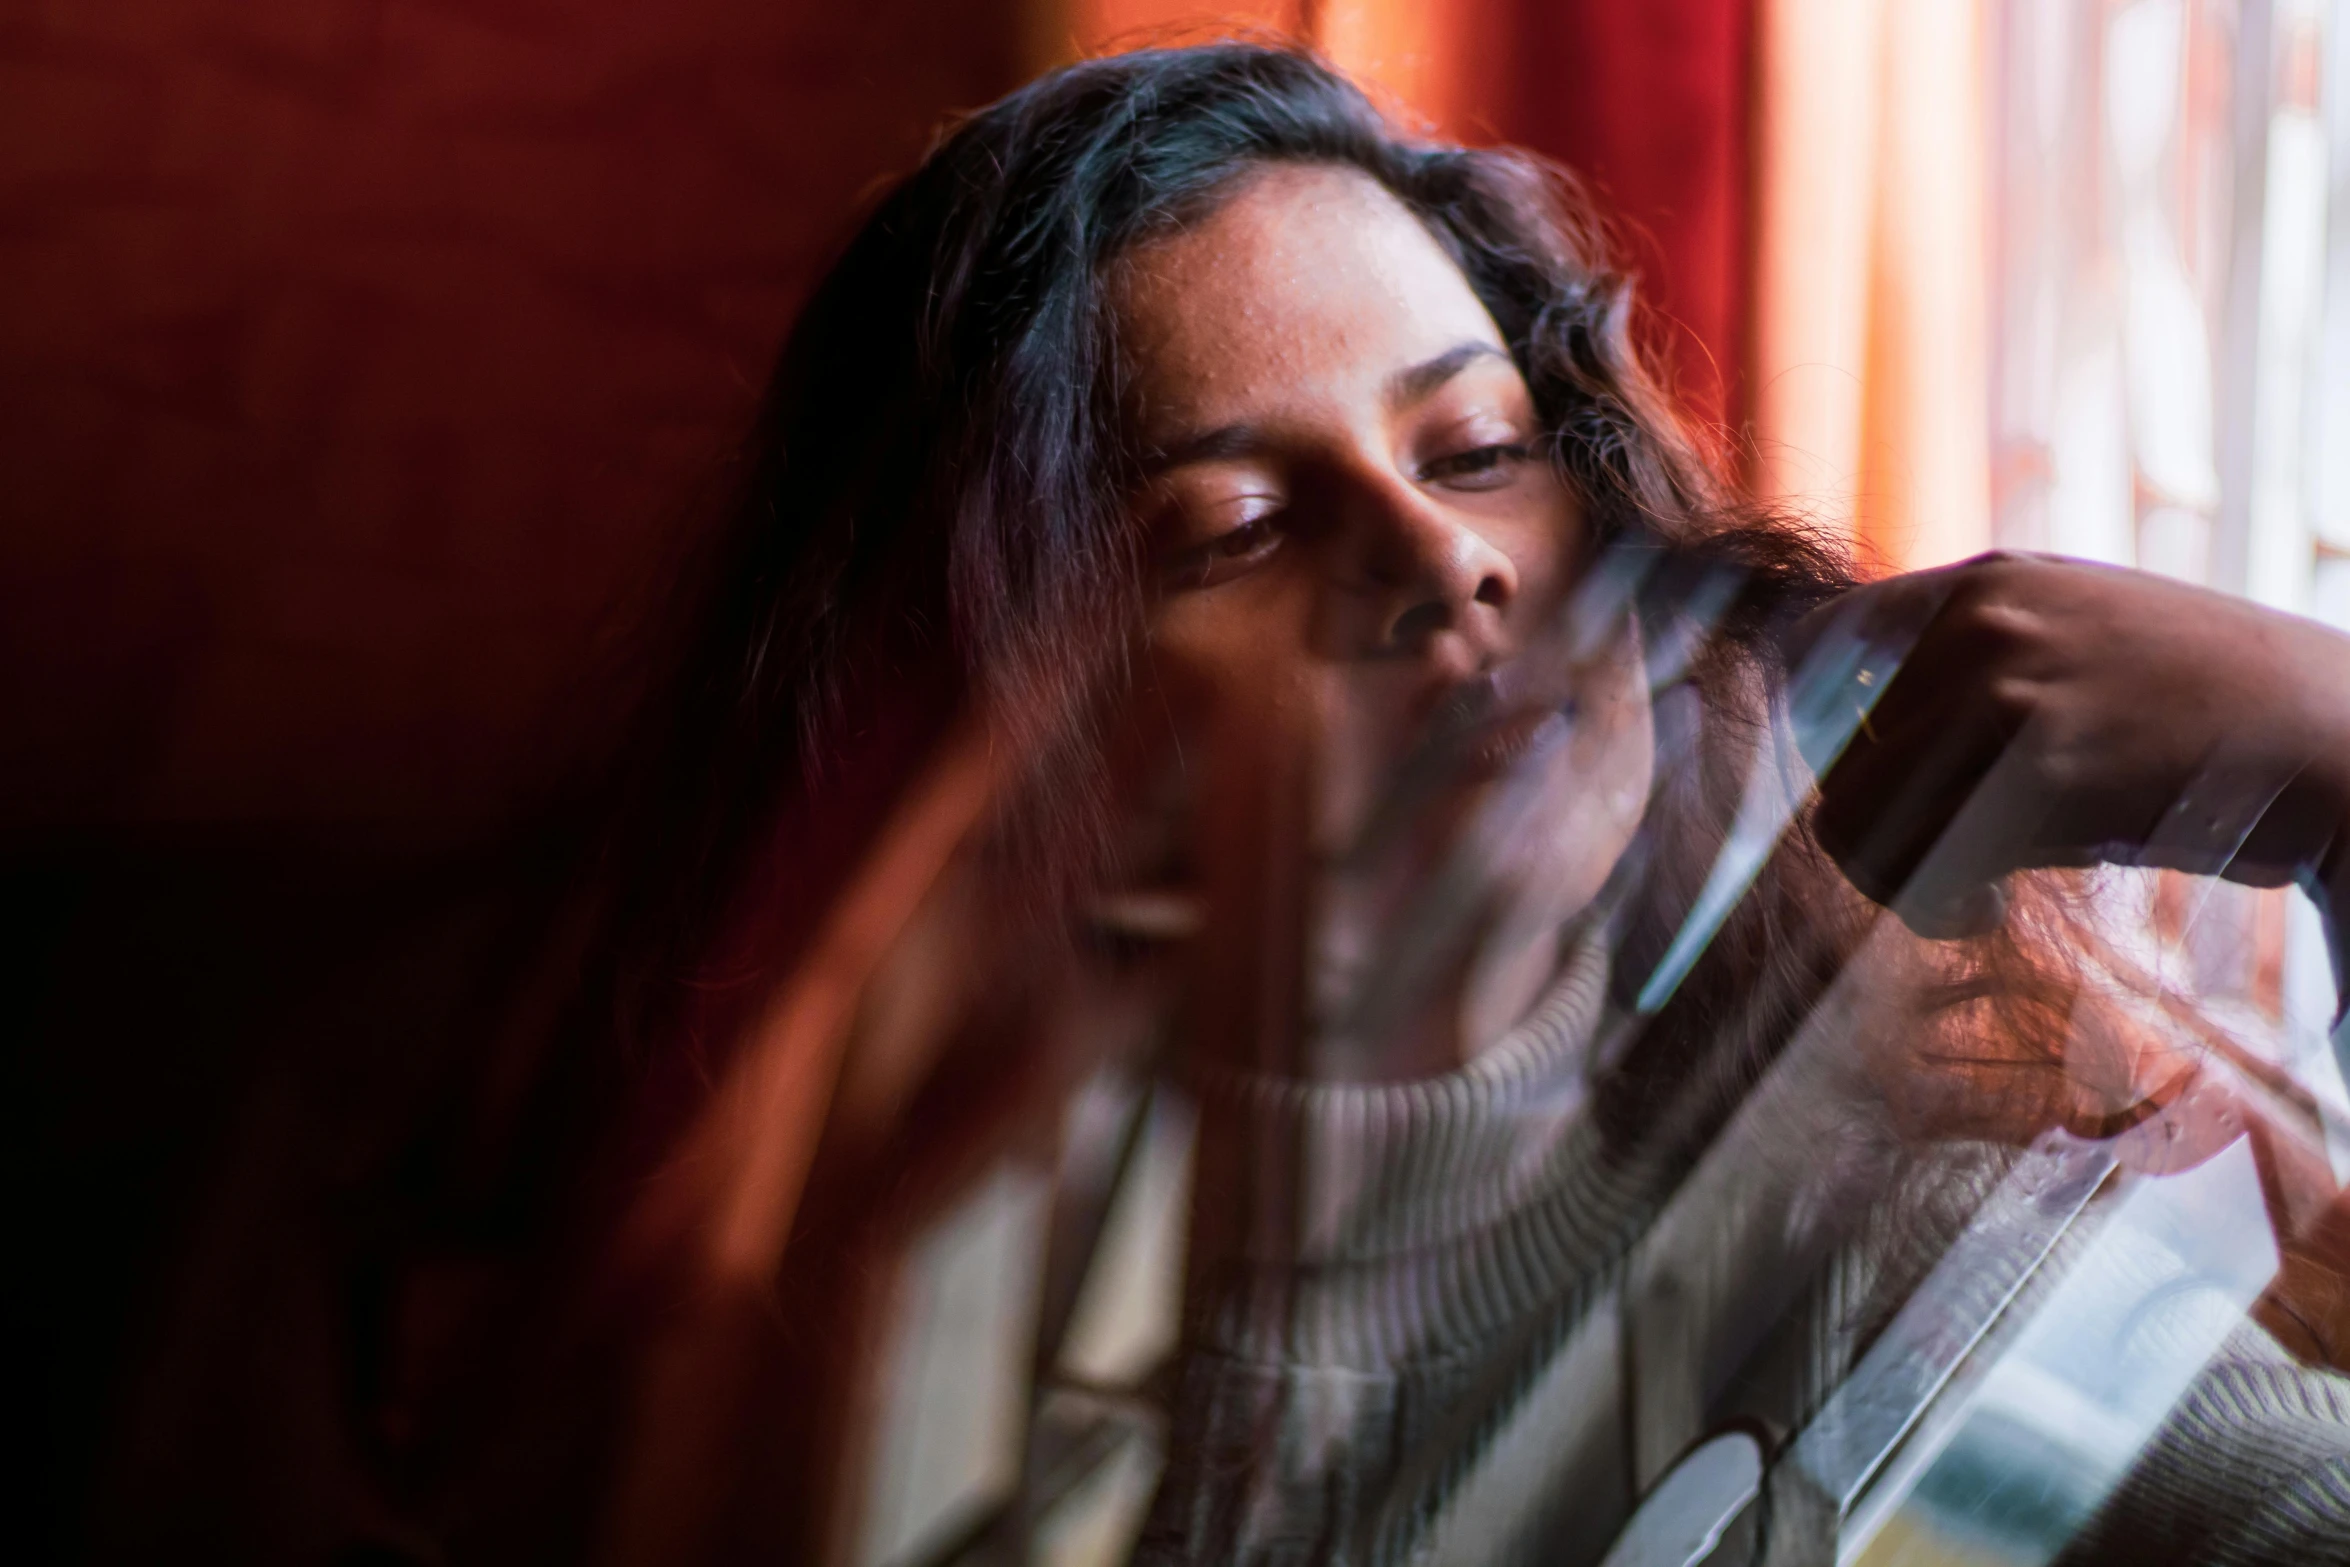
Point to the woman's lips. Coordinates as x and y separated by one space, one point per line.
1477 732
1474 732
1494 748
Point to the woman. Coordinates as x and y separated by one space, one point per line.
1366 642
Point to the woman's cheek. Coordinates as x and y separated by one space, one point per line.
1221 655
1543 536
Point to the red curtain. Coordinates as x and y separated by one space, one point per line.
1651 102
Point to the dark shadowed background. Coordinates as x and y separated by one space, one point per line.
363 366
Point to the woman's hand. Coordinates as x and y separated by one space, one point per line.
2057 713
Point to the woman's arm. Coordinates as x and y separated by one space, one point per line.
2101 715
2111 716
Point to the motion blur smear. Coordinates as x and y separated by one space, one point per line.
370 374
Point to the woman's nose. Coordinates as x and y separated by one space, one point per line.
1435 577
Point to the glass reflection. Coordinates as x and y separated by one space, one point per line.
1474 966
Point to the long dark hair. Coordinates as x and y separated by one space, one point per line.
930 516
927 517
930 500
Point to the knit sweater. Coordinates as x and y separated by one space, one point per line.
1423 1358
1449 1234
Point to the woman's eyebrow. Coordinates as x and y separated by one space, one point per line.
1403 388
1414 382
1223 442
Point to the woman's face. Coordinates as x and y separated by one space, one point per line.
1361 557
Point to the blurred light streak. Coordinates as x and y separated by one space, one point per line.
729 1194
954 1389
1828 703
2023 1454
1848 1443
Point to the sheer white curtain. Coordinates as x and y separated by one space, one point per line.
2169 263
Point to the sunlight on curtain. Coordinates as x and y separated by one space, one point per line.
1065 30
2168 366
2052 274
1868 352
1414 56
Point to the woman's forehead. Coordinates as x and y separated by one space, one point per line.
1308 280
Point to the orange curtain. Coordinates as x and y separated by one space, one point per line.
1870 364
1648 102
1802 184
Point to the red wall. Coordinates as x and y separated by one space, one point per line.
358 363
356 354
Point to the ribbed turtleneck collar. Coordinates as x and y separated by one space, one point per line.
1423 1216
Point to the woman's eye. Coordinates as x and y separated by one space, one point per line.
1225 556
1478 468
